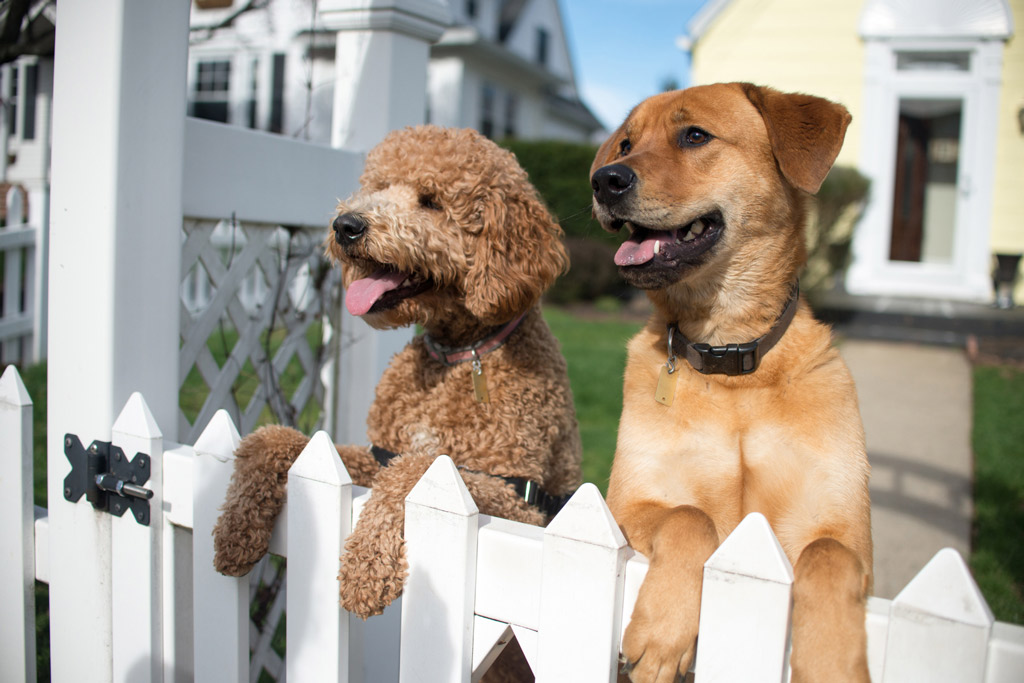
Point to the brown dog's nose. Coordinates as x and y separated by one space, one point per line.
612 183
348 227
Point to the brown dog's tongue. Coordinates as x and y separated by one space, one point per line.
363 294
635 252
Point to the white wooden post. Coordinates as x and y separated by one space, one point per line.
437 604
13 348
745 608
17 536
118 127
939 626
319 521
380 85
581 592
220 604
137 554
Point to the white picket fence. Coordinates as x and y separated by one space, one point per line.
23 288
564 592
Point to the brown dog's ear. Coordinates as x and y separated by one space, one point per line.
805 132
519 254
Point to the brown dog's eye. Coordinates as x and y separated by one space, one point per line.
428 201
694 137
625 147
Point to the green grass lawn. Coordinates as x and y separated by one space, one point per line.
997 557
595 351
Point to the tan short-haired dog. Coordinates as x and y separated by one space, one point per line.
734 399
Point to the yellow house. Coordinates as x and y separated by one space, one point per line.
936 88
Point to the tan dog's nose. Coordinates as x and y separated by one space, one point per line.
612 183
348 227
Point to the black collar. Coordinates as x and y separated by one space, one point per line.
528 490
732 359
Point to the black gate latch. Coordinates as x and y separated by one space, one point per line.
109 481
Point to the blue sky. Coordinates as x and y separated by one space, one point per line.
623 50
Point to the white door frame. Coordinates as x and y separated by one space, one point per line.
968 276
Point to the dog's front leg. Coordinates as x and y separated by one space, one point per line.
829 637
255 497
373 568
659 643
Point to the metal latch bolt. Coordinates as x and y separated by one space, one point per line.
107 478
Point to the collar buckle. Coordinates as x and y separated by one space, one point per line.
731 359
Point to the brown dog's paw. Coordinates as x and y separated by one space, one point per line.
254 497
371 576
236 549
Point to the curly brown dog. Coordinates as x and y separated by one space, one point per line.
446 232
734 400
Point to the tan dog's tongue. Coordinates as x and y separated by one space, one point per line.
635 252
363 294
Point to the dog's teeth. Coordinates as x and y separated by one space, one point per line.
689 237
697 227
628 226
657 247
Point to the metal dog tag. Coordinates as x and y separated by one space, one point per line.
666 390
479 381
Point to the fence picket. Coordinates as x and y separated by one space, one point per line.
745 607
939 625
220 604
581 592
437 603
319 521
136 552
17 537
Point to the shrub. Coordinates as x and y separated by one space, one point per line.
837 207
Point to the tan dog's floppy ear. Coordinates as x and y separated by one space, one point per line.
516 262
806 133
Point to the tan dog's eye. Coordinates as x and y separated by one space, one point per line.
429 201
694 137
625 147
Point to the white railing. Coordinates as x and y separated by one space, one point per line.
565 592
22 290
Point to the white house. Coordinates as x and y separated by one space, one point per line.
500 66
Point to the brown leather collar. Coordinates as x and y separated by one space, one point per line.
733 359
449 355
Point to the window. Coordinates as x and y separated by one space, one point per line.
12 105
542 46
28 121
211 93
933 61
511 112
277 95
487 110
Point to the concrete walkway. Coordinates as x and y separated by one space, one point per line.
916 404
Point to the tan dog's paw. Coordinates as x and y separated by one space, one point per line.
372 574
661 638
